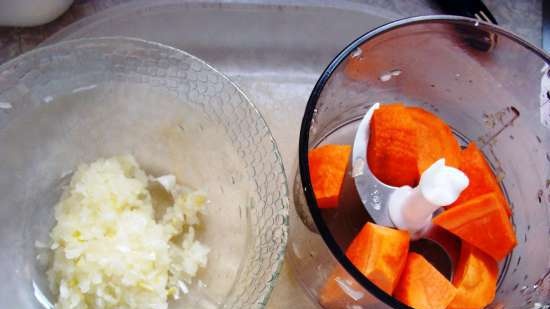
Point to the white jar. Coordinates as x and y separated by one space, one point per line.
25 13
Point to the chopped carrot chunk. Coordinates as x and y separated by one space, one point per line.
481 222
422 286
475 279
327 166
480 174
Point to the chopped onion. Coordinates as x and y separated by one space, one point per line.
108 250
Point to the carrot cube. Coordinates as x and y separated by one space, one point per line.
422 286
480 174
391 152
435 140
380 253
327 167
475 279
481 222
405 141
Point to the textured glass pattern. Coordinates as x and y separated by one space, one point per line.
41 75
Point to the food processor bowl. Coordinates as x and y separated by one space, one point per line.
490 86
77 101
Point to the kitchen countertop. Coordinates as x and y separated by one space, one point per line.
523 17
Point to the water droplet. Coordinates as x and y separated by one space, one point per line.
375 200
358 167
181 127
389 75
357 52
385 77
540 306
5 105
84 88
345 285
396 72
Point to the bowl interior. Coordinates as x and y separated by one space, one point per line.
80 100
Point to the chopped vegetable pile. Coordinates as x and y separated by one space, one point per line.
108 249
403 143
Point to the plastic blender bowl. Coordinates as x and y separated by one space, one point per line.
490 86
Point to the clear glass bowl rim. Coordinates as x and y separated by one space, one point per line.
263 297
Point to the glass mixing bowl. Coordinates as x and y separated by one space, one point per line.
490 86
80 100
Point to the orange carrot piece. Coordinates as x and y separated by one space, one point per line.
392 146
435 140
422 286
327 167
405 141
380 253
475 279
480 174
483 223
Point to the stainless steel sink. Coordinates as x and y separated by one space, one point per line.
275 52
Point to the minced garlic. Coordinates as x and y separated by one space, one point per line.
108 249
